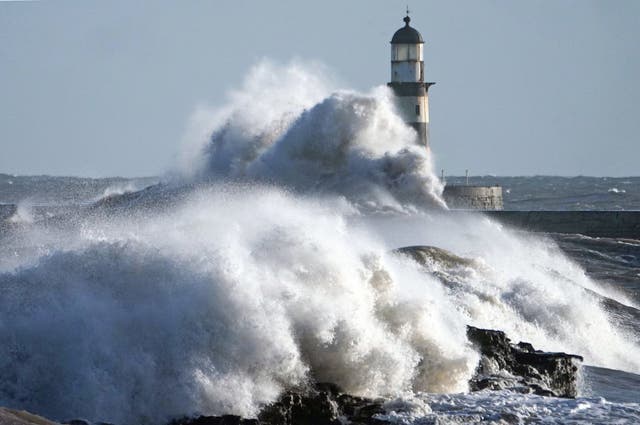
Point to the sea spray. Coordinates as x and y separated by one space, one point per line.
218 307
286 127
24 213
271 97
519 283
205 296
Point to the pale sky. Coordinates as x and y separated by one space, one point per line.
523 87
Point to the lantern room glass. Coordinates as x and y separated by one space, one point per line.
406 52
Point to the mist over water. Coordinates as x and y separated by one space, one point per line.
275 269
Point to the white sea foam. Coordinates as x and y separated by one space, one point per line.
503 407
616 191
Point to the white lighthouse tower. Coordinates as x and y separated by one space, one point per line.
407 79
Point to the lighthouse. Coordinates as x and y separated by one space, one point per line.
412 101
407 79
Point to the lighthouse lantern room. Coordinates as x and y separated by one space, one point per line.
407 79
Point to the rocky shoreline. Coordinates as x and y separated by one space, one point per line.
503 366
521 368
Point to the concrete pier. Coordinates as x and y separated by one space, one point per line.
610 224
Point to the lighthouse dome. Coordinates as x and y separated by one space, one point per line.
407 34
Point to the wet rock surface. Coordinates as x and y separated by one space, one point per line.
519 367
422 254
325 404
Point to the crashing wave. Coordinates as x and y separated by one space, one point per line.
261 270
287 127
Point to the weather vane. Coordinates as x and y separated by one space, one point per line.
407 10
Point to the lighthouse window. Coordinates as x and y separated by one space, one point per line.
417 109
402 52
413 52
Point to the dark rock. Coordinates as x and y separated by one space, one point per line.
77 422
423 254
215 420
318 407
520 367
510 418
323 404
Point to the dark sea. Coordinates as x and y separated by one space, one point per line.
219 303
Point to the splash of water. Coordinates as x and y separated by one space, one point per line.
219 301
287 127
117 189
242 292
218 307
24 212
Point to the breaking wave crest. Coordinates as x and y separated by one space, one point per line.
290 127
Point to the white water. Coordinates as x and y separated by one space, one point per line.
504 407
117 189
217 304
287 126
217 307
24 213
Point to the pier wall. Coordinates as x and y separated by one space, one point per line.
611 224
